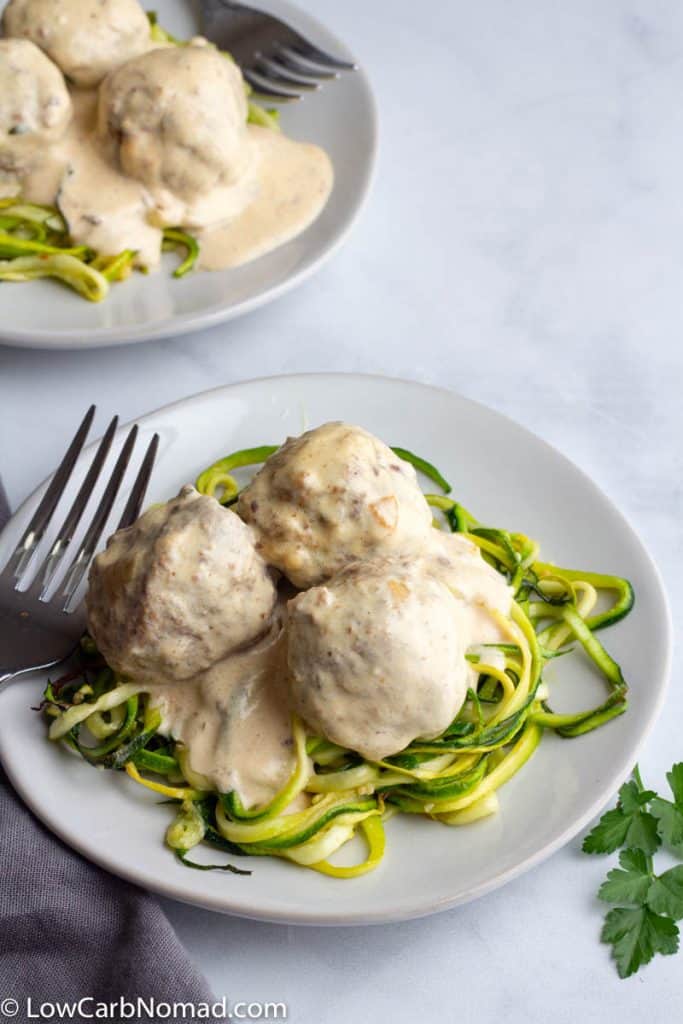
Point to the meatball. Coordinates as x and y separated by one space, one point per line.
86 38
178 590
458 563
176 119
376 657
332 496
35 107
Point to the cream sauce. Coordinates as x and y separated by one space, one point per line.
479 589
291 188
234 717
282 187
104 209
235 720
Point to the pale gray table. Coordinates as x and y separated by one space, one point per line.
524 245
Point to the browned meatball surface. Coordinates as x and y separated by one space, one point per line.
85 38
35 107
179 590
332 496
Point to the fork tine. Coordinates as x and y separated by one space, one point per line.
87 549
265 87
294 62
33 533
70 524
317 56
137 495
280 73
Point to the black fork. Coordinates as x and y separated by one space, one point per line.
276 60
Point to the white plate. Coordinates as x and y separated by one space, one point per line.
340 117
507 477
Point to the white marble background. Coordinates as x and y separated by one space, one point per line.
523 245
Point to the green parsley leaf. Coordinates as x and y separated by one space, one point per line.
675 780
670 815
670 822
628 824
665 895
630 885
635 935
642 832
631 799
609 833
653 903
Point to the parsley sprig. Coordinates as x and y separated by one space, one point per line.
644 923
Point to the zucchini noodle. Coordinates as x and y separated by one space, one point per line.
174 238
333 794
35 241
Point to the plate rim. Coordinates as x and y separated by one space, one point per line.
241 908
44 339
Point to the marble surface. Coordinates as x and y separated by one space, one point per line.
523 245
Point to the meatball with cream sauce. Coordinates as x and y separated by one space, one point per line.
376 657
35 107
332 496
175 119
458 563
178 590
85 38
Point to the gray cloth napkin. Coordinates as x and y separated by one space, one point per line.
69 931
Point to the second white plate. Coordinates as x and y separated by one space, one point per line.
507 477
340 118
